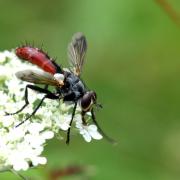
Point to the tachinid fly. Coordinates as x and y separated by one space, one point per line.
67 83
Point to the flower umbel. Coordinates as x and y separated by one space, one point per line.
22 146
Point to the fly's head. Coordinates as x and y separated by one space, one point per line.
88 100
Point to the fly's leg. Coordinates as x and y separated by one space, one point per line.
69 129
35 88
26 103
70 96
100 130
83 117
48 96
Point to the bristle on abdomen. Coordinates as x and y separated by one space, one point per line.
37 57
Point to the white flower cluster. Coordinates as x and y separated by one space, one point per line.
22 146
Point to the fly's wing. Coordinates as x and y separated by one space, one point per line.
76 52
37 77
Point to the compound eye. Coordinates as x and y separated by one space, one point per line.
86 101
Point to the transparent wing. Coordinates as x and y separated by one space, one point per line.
76 52
37 77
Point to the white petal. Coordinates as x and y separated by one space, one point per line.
87 137
34 161
92 127
25 166
48 135
20 164
78 118
38 150
79 124
2 57
8 121
96 135
16 133
64 126
35 128
64 121
42 160
39 160
34 140
88 113
85 134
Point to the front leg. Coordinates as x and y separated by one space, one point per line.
83 117
100 130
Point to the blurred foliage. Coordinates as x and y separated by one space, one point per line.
133 63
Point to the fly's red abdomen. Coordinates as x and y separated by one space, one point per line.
37 57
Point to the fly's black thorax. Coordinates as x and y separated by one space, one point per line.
73 88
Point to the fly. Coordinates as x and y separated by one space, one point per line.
67 83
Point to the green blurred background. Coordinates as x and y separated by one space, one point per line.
133 63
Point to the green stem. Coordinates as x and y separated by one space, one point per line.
10 169
18 174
